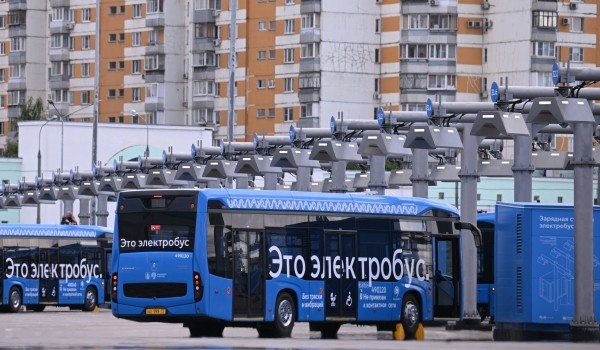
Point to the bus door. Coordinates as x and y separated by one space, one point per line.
340 281
107 273
447 277
248 274
48 292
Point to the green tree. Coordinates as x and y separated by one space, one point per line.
31 109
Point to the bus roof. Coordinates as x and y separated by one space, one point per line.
50 231
343 203
489 218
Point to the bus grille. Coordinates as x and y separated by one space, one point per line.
154 290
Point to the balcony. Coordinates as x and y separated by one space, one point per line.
311 35
60 3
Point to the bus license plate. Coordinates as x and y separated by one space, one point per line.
156 311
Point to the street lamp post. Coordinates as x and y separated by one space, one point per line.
62 118
137 115
39 164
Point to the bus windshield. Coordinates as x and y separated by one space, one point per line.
156 232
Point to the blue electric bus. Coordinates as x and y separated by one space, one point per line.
59 265
213 258
485 267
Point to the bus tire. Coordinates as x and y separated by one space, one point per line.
15 299
285 315
90 303
411 316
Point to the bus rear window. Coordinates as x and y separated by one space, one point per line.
156 232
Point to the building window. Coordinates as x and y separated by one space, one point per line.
272 54
56 68
576 54
577 24
85 42
442 82
154 6
57 41
271 113
541 79
261 25
377 85
288 56
309 50
288 27
60 95
121 93
204 116
135 66
203 87
2 21
152 90
440 195
499 198
377 25
272 25
377 56
17 44
15 70
413 51
137 10
112 37
442 51
306 110
203 59
112 93
544 49
416 21
112 10
121 65
121 37
288 84
260 84
260 113
112 65
136 39
136 94
262 55
442 22
85 15
545 19
288 114
85 69
309 81
85 97
310 21
271 83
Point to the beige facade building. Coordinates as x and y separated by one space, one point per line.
297 62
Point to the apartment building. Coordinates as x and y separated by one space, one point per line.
296 62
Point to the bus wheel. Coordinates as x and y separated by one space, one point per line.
15 300
411 316
91 299
285 314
